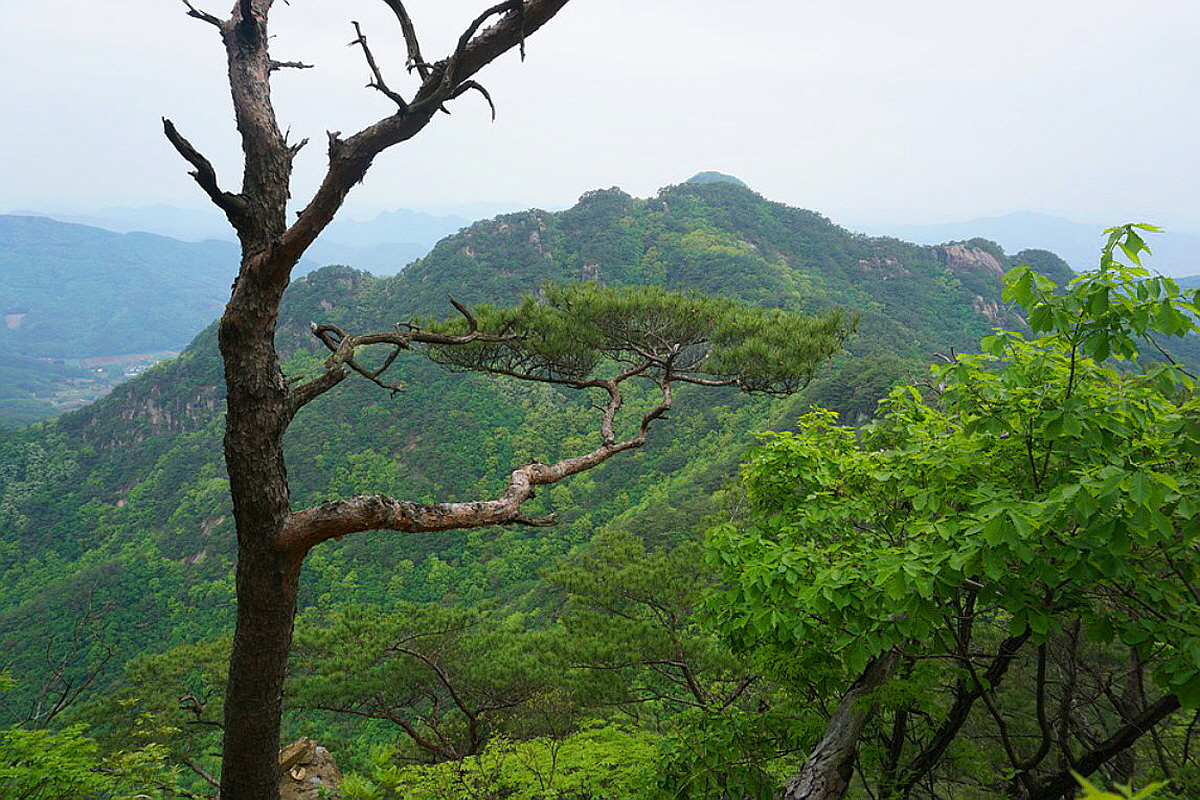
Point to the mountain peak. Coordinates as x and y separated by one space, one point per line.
715 177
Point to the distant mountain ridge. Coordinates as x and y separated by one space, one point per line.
1175 254
83 291
384 244
74 291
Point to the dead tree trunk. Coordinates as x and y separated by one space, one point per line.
827 772
273 539
259 404
266 575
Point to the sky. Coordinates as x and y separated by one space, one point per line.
919 111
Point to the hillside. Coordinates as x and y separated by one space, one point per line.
84 308
118 513
110 276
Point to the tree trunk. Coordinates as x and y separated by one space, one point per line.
258 404
827 772
256 417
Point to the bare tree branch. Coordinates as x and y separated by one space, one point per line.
500 8
304 394
202 15
342 347
377 81
277 65
350 158
201 772
233 205
466 86
415 61
305 529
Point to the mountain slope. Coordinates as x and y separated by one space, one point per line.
120 511
83 291
83 306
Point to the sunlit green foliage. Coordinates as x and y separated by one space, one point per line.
606 762
1039 488
1093 792
53 765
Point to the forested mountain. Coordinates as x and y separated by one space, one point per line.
115 519
82 305
83 291
84 308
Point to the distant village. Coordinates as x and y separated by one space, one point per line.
103 374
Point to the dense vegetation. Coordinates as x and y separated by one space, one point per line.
528 658
1024 540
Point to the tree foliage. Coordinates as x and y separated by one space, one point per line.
1040 504
564 333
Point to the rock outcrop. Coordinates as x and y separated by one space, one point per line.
306 769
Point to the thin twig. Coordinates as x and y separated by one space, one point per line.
202 15
377 81
415 61
275 65
467 86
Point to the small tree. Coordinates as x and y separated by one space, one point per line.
1037 518
585 340
450 679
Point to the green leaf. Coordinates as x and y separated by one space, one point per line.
1141 488
1101 630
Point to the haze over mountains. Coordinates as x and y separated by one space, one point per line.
85 307
382 244
1176 253
143 281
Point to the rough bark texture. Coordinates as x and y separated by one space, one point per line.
827 772
259 404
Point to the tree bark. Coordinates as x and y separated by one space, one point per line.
827 772
259 406
256 418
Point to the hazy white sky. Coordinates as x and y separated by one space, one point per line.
925 110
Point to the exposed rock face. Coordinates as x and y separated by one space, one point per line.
306 769
883 268
963 257
988 308
980 270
